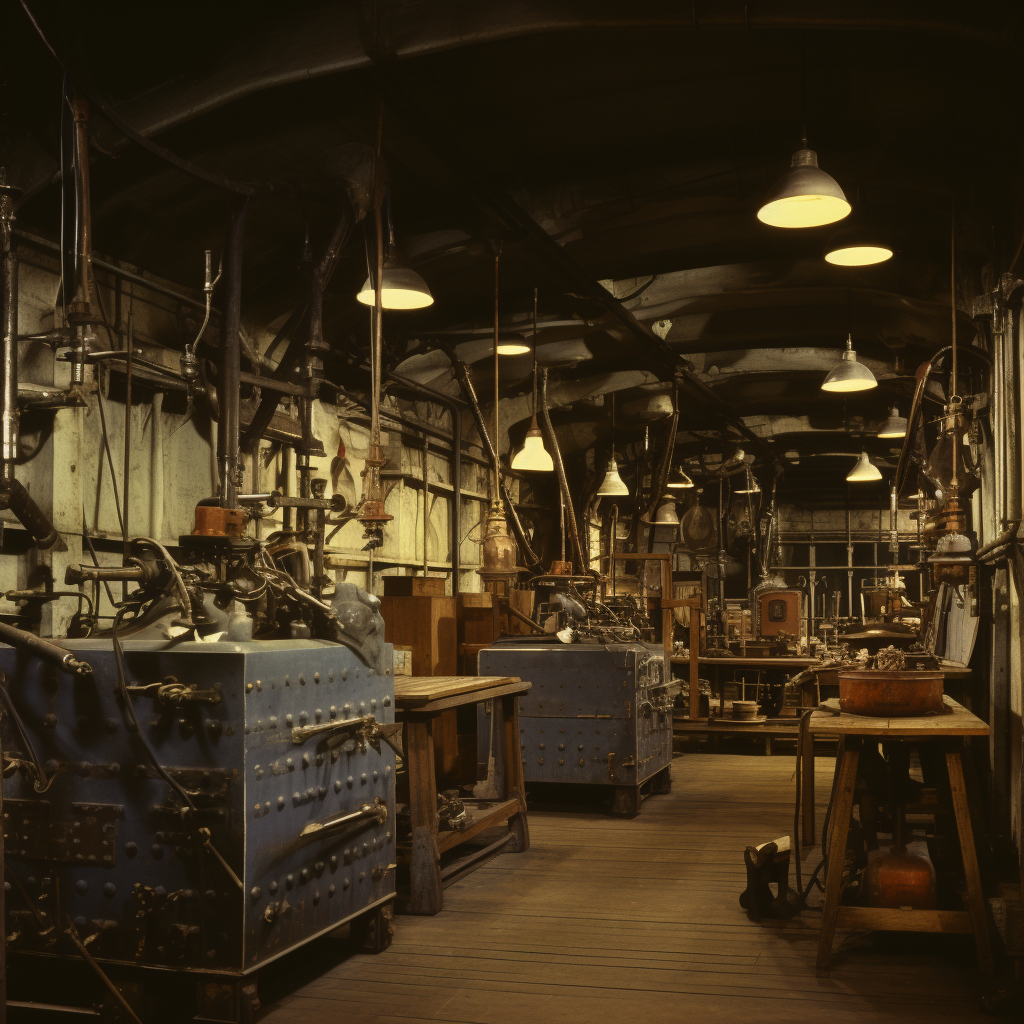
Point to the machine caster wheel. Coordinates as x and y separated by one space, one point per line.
626 803
520 832
372 932
233 1001
662 782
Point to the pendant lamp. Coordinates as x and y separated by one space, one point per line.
666 514
865 471
894 426
849 375
512 345
401 287
856 245
533 457
679 481
752 487
612 483
805 196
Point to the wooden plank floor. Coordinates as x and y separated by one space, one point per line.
606 920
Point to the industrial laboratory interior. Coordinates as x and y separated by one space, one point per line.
510 511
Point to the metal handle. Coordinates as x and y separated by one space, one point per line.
377 812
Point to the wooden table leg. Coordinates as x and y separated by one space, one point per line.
516 784
807 787
842 807
426 895
975 896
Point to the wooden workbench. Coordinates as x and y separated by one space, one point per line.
951 729
419 702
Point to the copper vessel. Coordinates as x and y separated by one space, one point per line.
890 694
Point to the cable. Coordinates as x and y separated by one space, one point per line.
42 783
122 686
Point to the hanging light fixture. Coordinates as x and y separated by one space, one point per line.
666 514
512 345
401 287
856 245
680 481
848 374
864 471
533 457
753 487
894 426
805 196
612 483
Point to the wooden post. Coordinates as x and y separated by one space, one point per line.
842 809
426 895
972 876
807 787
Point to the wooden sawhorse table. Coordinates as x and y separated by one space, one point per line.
949 729
419 700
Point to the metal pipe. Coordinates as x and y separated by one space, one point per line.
9 426
563 483
456 442
849 565
1006 537
127 470
466 383
667 455
40 648
426 505
156 468
229 391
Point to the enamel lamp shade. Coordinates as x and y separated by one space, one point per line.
804 197
402 288
848 374
865 471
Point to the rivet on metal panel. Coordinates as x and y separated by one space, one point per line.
362 876
387 769
350 780
387 702
561 761
266 807
374 776
330 676
289 880
272 722
255 892
344 673
318 714
561 746
296 797
272 887
541 761
334 861
288 719
280 803
542 746
316 677
316 898
362 778
259 684
248 687
321 792
582 762
306 760
337 785
302 679
334 711
304 875
287 680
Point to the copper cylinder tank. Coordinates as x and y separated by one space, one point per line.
890 694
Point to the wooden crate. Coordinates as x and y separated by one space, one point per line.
414 586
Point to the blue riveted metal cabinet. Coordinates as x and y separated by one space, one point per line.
108 840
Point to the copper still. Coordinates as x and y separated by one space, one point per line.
899 879
890 694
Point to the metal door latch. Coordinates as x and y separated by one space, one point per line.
367 728
376 812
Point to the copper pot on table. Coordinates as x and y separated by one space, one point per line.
889 694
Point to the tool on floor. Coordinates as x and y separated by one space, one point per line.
767 865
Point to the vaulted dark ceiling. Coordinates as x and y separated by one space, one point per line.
641 137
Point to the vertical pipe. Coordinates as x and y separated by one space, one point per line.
127 469
721 557
812 583
849 567
229 390
156 469
426 505
288 469
497 411
9 426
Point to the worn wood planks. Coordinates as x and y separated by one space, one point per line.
606 920
413 692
